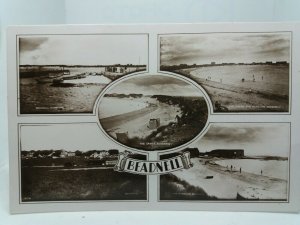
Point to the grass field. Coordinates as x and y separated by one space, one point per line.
52 183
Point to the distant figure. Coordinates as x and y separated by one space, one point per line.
240 169
262 77
261 172
217 105
231 167
243 79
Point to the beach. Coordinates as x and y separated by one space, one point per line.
135 117
228 184
244 88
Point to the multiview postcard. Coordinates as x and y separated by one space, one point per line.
154 117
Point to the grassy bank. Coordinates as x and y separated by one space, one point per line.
173 188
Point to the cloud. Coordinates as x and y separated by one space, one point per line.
32 43
84 49
234 134
224 47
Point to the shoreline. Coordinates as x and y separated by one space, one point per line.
246 185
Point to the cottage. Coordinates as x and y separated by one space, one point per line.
99 155
64 154
154 123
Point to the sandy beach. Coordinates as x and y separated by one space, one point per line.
227 184
264 87
136 122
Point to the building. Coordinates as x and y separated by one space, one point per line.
224 153
64 154
154 123
281 62
111 162
99 155
116 69
194 153
70 154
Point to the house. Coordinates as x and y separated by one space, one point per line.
70 154
154 123
116 69
111 162
99 155
30 155
64 154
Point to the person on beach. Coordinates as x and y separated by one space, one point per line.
218 105
261 172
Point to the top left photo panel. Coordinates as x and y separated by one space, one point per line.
64 74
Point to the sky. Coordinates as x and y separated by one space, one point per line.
255 138
70 137
83 49
156 85
224 48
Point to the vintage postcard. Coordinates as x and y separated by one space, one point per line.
154 117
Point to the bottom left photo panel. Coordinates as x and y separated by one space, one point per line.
74 162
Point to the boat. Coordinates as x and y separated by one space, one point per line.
47 79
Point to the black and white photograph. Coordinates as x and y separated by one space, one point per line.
153 112
71 162
234 162
241 72
153 117
66 73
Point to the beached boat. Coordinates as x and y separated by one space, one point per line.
48 79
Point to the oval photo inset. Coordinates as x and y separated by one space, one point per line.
153 112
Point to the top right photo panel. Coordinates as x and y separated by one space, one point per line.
241 72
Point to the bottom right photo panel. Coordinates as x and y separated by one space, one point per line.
233 162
